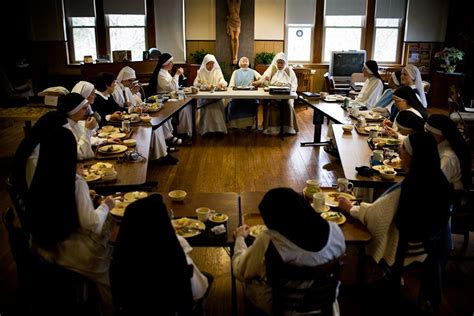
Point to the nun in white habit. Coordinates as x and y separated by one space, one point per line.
86 89
212 112
280 74
373 86
82 125
167 83
414 81
126 95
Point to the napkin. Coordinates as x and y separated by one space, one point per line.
219 229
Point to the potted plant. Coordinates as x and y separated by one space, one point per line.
262 60
448 58
198 56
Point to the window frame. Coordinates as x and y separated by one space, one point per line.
312 27
70 42
362 36
108 27
102 37
401 29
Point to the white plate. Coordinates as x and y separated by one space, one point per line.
256 230
336 217
331 198
113 149
135 195
188 227
89 177
101 165
117 135
381 168
219 219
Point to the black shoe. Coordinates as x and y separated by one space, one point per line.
330 149
168 160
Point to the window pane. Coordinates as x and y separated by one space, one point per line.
341 39
343 20
299 43
128 38
84 43
126 20
386 43
83 21
387 22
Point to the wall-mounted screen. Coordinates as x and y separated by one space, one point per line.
345 63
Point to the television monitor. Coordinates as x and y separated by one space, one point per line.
345 63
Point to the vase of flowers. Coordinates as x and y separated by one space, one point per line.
448 58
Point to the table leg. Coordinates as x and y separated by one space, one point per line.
280 105
318 120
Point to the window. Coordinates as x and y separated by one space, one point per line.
389 17
342 33
127 32
122 26
386 40
299 20
299 42
83 38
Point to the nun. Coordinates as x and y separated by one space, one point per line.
86 89
81 123
384 104
162 82
411 77
241 113
127 93
280 74
373 85
212 112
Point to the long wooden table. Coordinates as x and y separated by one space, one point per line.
332 111
169 109
259 93
130 175
354 152
226 202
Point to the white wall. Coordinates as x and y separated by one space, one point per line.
201 20
426 20
270 19
169 28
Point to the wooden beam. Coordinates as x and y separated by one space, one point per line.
318 32
150 23
368 39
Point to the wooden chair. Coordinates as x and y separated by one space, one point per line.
320 294
304 79
45 288
462 217
330 85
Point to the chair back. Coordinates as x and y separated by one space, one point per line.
45 288
301 289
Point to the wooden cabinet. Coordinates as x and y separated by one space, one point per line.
440 84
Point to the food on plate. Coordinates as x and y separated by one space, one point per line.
394 162
188 227
331 198
219 217
381 168
257 229
116 117
376 128
336 217
111 149
135 195
101 165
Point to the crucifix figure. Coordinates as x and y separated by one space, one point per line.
233 27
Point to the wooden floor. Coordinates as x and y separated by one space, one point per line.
244 161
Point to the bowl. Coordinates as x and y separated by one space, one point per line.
388 174
177 195
347 128
130 142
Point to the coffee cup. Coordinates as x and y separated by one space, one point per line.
343 185
203 213
318 202
323 95
174 94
